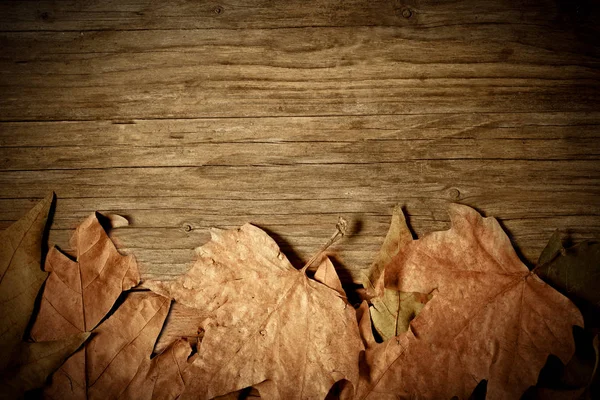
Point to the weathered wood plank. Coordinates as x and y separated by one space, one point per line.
277 141
325 181
118 15
467 18
193 132
166 228
312 71
181 211
81 15
265 154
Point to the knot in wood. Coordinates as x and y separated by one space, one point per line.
454 194
406 12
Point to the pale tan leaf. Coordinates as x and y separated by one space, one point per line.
490 317
398 235
80 293
268 322
116 220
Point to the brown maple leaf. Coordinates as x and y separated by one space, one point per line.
118 355
490 318
270 326
77 295
25 365
117 360
161 377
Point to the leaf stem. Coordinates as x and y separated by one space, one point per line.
340 231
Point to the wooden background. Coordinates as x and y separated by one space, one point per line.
184 115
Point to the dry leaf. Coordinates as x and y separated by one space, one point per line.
391 310
118 355
571 381
21 273
161 377
490 318
33 362
77 295
25 365
575 272
270 326
116 362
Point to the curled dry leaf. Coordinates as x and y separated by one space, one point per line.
391 310
270 326
25 365
490 318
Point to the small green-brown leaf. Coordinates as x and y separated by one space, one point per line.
575 272
391 310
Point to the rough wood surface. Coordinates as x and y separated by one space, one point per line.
188 114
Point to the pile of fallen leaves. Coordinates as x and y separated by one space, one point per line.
454 314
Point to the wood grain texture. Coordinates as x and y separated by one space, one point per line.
184 115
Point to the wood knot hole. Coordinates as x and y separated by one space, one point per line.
406 12
187 227
218 10
454 194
